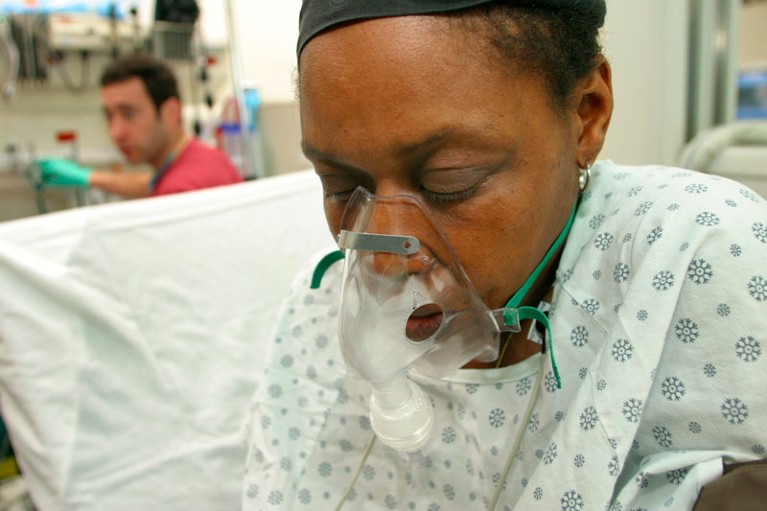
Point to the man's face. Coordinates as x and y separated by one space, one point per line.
138 130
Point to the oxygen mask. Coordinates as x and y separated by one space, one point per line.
407 305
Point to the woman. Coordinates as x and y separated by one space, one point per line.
456 144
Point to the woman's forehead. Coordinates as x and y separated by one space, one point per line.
422 45
405 71
413 60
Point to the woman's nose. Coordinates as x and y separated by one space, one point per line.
392 220
399 266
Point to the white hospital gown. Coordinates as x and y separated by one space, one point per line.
659 323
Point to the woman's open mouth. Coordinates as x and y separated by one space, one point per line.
423 322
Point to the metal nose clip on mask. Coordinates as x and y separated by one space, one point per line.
407 305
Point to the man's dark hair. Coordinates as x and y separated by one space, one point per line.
159 80
561 45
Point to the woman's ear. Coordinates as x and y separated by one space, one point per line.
594 107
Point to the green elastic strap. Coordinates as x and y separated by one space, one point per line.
533 312
322 267
538 315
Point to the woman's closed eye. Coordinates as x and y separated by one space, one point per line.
338 188
339 196
447 197
452 185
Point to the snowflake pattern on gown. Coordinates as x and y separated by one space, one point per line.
660 360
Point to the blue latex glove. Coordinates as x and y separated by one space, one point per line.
63 172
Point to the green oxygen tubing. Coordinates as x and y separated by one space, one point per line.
527 312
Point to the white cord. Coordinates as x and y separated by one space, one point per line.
357 473
518 437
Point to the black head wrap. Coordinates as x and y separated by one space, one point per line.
319 15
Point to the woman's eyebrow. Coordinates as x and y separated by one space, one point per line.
424 147
428 144
314 153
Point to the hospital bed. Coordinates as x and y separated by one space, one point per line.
130 337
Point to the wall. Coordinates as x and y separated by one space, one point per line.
646 44
267 33
753 42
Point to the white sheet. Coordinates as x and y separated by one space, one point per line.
130 338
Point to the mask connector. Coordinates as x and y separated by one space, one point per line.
401 414
507 320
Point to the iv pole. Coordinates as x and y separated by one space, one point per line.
239 93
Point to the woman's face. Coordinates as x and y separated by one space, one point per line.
413 105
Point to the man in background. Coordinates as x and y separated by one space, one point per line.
142 105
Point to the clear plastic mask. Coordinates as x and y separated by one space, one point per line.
407 304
